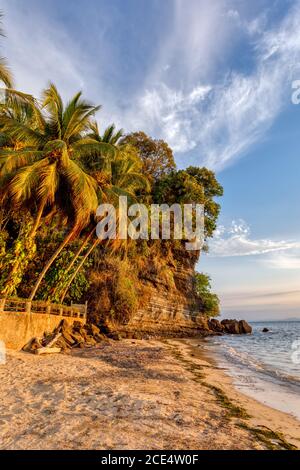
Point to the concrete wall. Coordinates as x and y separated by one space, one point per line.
17 329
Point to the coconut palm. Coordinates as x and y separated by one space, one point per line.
53 148
126 179
110 135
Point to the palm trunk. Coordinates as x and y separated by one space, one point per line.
37 220
78 253
96 242
50 262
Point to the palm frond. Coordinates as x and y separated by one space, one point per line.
12 160
48 183
84 192
52 102
79 121
111 135
5 74
23 185
21 132
22 107
87 147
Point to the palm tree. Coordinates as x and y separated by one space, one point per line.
113 182
126 179
54 149
110 135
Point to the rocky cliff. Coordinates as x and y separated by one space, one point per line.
169 311
154 298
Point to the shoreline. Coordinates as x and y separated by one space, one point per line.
267 386
261 414
133 394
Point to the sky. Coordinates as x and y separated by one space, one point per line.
214 79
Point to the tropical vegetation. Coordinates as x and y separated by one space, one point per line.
56 167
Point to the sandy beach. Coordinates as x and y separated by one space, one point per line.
133 395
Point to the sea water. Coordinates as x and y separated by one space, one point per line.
265 366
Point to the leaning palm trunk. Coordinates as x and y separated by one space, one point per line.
77 254
96 242
37 220
79 251
50 262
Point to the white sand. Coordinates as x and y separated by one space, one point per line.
124 395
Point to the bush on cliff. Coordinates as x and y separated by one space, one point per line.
209 301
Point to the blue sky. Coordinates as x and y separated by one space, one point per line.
213 79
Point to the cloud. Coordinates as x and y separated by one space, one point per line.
238 111
236 241
39 51
42 48
208 108
172 109
290 260
283 301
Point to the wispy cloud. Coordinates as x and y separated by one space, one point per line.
39 51
208 117
236 240
275 302
289 260
238 111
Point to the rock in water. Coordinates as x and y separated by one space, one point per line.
215 325
265 330
245 328
236 327
231 326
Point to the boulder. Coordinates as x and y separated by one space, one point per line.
231 326
236 327
216 326
245 328
114 335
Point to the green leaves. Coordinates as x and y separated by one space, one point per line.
210 302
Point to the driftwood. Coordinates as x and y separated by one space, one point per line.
66 337
47 350
53 341
32 345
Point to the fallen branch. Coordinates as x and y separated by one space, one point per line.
47 350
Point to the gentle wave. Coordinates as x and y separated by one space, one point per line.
261 364
244 359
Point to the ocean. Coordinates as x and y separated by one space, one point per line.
265 366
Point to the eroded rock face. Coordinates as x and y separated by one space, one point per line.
166 309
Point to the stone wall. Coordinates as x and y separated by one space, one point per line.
17 329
